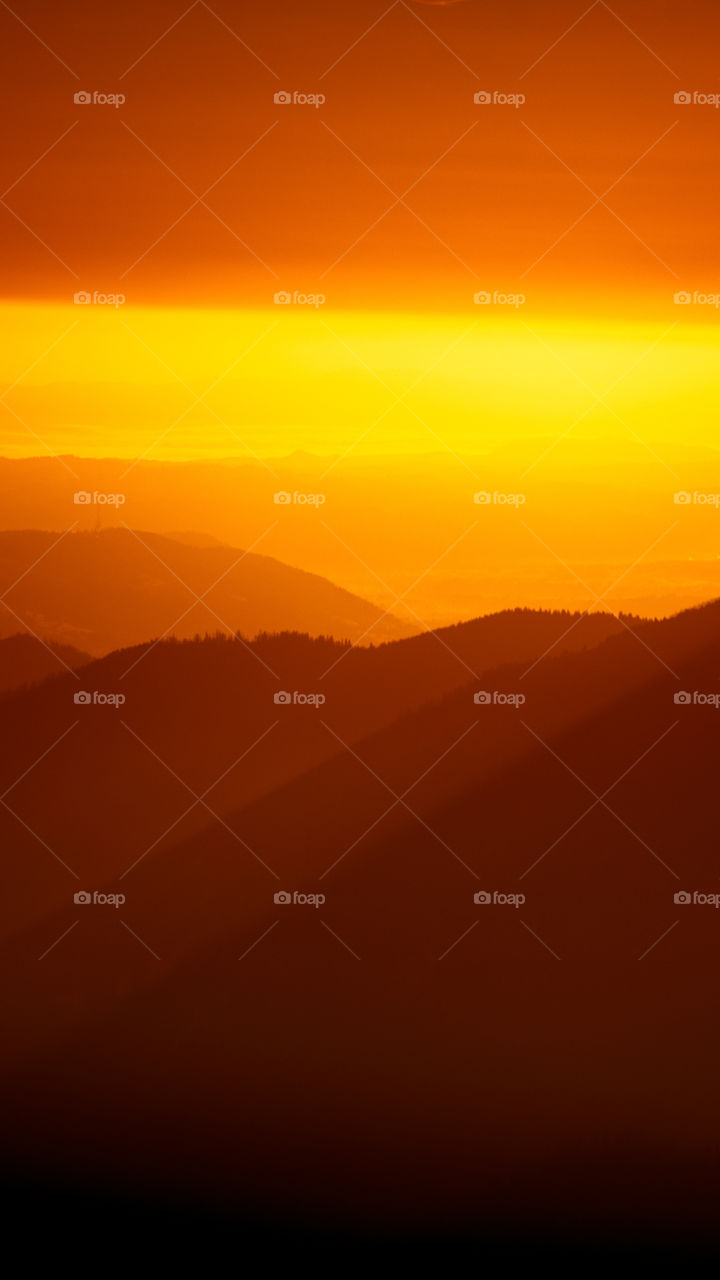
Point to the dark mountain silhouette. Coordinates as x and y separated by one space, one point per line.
102 591
200 715
26 660
329 797
400 1017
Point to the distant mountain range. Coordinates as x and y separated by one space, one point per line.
581 777
103 591
413 521
197 709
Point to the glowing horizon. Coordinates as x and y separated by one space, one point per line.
299 378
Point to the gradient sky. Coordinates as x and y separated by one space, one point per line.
300 198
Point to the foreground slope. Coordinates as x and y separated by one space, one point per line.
558 1037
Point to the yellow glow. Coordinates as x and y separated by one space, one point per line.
98 380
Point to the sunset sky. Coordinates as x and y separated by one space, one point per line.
360 612
398 199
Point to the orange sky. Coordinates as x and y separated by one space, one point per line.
398 199
493 200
